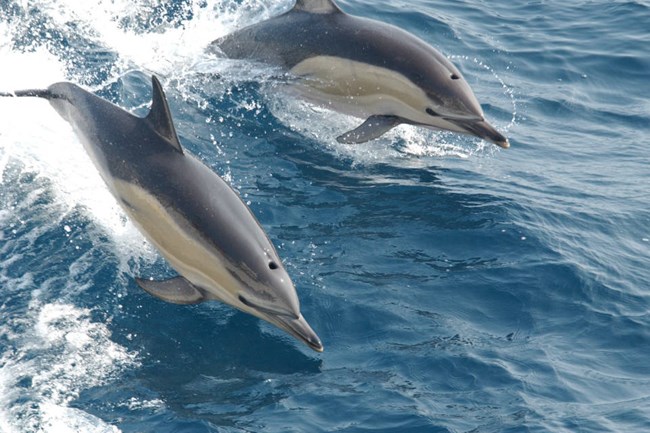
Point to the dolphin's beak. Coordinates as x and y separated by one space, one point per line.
483 130
299 328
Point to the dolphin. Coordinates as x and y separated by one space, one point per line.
364 68
194 218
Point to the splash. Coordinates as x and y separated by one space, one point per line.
62 353
166 39
36 140
508 91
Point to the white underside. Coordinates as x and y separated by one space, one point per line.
363 90
182 248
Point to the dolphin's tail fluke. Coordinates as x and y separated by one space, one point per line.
37 93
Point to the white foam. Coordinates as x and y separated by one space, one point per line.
62 353
40 141
169 46
63 419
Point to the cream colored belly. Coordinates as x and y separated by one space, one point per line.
360 89
177 243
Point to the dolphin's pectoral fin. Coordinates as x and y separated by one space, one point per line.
373 127
176 290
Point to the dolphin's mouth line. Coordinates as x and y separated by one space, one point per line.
459 118
292 324
266 310
300 329
483 130
454 117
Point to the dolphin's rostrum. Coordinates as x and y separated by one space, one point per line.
191 215
363 68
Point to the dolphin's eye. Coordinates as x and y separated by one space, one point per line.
430 112
455 77
273 266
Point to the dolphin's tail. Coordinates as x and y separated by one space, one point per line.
38 93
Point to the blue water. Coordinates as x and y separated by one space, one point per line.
456 287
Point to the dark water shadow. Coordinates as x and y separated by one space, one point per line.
206 362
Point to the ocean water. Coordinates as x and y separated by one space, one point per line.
456 287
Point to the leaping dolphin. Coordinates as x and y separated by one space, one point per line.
191 215
363 68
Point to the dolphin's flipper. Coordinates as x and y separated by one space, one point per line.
176 290
373 127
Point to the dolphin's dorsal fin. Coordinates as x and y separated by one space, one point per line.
160 118
316 6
